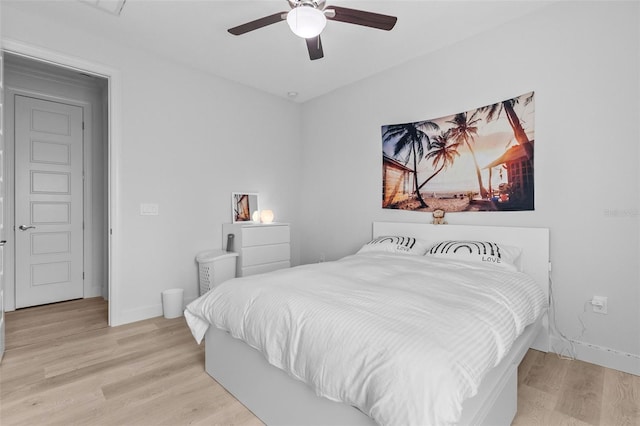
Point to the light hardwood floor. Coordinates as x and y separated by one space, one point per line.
64 366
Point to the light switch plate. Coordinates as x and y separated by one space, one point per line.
149 209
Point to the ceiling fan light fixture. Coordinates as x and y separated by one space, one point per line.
306 21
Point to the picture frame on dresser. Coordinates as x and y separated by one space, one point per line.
243 206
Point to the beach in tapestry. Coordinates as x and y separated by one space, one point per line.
478 160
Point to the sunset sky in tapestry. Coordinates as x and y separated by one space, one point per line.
478 160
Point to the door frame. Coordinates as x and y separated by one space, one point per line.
114 147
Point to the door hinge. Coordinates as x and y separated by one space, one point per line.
83 275
83 125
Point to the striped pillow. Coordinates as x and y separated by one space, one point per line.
395 244
485 252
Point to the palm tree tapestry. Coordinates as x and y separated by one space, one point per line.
478 160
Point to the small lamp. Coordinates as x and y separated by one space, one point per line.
306 21
256 216
266 216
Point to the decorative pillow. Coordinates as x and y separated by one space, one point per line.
484 252
395 244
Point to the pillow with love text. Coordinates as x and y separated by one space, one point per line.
485 252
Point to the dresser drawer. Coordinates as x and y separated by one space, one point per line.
258 255
260 247
267 267
263 235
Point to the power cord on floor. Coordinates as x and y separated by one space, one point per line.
570 353
580 318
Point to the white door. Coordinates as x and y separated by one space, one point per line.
48 205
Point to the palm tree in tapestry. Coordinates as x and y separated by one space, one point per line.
409 140
508 106
464 132
442 154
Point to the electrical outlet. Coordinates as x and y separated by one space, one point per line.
599 304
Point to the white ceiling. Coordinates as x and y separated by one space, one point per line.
273 59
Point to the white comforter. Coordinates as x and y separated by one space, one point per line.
404 338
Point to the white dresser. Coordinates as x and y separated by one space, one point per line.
260 247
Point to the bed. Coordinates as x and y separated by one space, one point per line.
276 397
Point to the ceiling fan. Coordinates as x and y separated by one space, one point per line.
307 19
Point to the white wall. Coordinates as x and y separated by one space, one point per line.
582 60
188 139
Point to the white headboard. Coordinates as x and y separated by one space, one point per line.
533 241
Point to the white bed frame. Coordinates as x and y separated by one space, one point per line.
278 399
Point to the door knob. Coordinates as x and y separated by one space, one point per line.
24 228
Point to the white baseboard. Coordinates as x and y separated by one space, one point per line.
146 312
139 314
595 354
92 292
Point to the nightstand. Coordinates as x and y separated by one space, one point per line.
260 247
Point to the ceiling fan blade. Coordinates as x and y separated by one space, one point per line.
258 23
314 45
361 17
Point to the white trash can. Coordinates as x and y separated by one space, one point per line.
172 301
